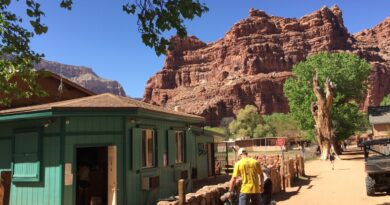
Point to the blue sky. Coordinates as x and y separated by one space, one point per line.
97 34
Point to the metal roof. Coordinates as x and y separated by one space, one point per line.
377 142
379 115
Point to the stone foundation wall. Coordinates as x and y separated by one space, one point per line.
281 173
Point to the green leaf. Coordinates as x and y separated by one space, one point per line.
66 4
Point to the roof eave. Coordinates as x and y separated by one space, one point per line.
171 116
73 111
29 115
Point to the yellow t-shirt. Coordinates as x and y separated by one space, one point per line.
249 170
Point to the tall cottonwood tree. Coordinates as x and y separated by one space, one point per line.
326 90
17 58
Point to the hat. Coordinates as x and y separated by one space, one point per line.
241 151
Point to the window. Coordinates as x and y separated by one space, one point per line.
148 148
179 147
26 157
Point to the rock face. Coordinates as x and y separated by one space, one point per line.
83 76
251 63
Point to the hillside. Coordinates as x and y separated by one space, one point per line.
252 61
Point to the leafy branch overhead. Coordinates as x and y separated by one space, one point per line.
158 16
17 58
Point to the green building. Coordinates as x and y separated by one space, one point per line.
104 148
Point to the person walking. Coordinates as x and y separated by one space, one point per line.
266 195
252 179
331 158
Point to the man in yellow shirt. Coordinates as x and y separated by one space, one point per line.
252 179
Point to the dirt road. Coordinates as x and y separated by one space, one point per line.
324 186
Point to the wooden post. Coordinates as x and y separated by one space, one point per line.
282 175
283 170
302 165
227 155
182 195
297 168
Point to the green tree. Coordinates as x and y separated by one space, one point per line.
285 125
342 75
250 123
386 101
17 59
264 130
246 122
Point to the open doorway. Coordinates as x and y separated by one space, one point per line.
94 175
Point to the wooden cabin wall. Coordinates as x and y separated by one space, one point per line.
63 135
202 156
168 182
91 132
47 190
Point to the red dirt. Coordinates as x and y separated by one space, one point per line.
324 186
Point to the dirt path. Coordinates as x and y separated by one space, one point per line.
324 186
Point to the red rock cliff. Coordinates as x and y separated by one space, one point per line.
251 63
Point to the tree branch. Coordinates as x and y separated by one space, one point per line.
317 88
329 92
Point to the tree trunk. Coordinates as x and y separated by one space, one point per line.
325 149
321 110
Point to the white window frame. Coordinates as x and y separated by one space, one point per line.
149 160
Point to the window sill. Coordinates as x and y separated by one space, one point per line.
146 170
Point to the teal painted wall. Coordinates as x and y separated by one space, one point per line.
202 157
60 142
168 182
6 133
90 132
47 191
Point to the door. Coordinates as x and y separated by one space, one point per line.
112 178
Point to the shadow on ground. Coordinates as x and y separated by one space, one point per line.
354 158
299 183
352 155
353 152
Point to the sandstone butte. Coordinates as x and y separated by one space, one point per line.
252 61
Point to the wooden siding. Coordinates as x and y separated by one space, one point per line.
47 191
84 132
26 156
50 85
5 153
381 130
168 183
59 149
202 157
93 124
